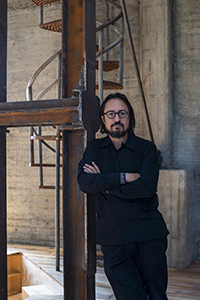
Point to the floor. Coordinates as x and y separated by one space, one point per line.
183 284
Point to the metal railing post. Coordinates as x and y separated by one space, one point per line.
57 201
121 54
57 175
41 15
39 132
107 31
101 65
31 143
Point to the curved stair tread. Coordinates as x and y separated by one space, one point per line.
44 2
109 85
52 26
109 65
45 137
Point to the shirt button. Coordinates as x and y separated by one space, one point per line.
119 201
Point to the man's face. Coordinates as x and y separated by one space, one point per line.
116 127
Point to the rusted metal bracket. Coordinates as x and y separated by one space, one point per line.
42 112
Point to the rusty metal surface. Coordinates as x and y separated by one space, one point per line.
72 44
43 112
79 50
90 104
73 219
3 234
55 26
44 2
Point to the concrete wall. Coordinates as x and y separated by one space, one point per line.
176 204
186 27
30 210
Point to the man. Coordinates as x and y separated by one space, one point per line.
122 170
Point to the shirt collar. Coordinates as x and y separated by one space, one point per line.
130 142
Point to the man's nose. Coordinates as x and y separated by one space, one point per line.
117 118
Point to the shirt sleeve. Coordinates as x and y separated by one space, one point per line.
95 183
146 185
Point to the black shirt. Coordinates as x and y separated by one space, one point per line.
125 212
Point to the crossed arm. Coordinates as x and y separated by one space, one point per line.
138 185
94 169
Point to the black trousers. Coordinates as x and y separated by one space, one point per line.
137 271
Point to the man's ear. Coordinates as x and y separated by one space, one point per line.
103 119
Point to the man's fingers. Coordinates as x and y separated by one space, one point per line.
96 167
89 169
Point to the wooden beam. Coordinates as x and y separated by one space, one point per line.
39 113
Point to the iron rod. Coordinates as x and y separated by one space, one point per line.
57 183
40 157
100 79
57 202
41 15
121 54
3 95
107 30
136 66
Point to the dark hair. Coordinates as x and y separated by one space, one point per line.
126 101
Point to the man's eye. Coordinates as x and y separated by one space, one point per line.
111 114
122 113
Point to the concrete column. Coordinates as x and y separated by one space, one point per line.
175 191
156 72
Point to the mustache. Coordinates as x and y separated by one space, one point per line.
117 123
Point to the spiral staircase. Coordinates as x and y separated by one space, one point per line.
104 65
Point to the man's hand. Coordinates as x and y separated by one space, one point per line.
94 169
131 176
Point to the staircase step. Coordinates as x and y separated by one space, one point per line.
109 85
109 65
45 137
44 2
42 165
52 26
48 187
44 297
37 290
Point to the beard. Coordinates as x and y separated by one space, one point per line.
117 133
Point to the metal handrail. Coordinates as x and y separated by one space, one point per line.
35 75
115 43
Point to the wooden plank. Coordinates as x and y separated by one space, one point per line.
14 273
14 284
14 263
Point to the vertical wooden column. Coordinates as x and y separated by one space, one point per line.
3 231
156 71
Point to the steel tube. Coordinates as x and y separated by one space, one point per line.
41 15
40 157
121 54
57 202
100 79
136 66
3 84
107 30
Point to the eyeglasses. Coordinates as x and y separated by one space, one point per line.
121 113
